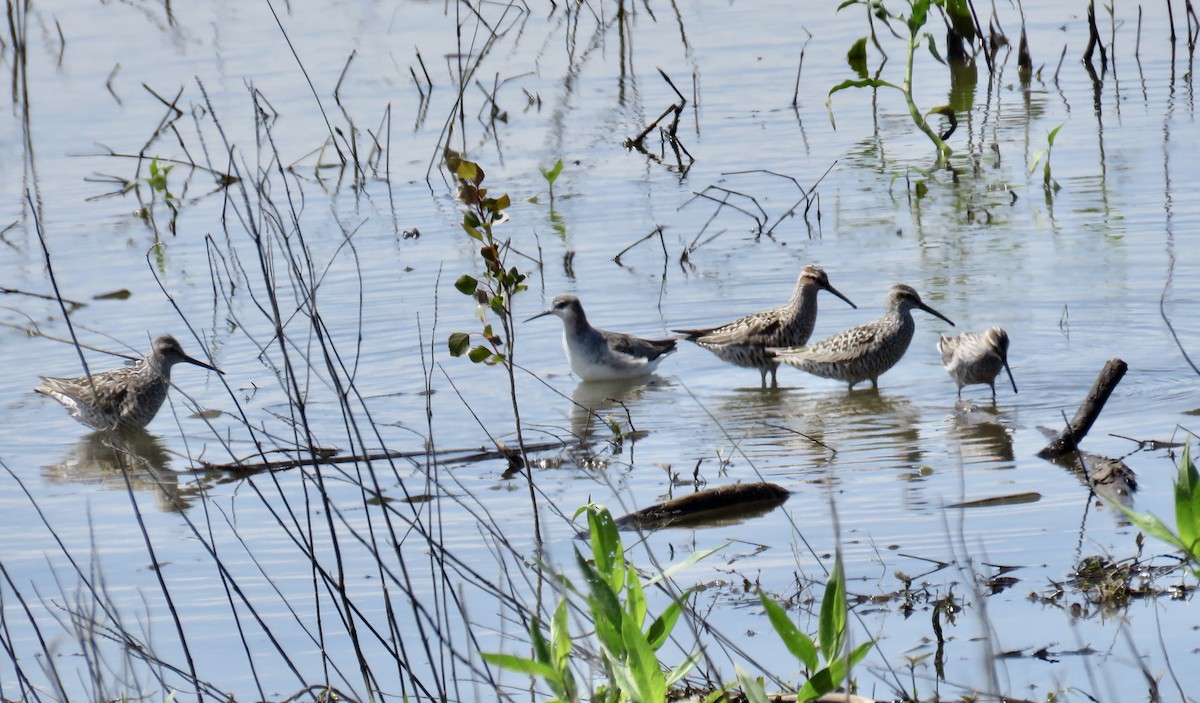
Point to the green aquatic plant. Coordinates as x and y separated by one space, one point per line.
551 175
826 660
157 182
1042 156
1186 535
628 640
918 13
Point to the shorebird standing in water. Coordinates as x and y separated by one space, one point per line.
128 397
744 341
976 357
600 355
867 351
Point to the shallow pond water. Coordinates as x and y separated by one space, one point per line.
261 568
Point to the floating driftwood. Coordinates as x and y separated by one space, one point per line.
731 503
1068 440
994 501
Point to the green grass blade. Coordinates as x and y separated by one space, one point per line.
1152 526
520 665
799 644
680 566
752 688
684 667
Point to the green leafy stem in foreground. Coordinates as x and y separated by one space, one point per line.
1186 536
826 661
628 645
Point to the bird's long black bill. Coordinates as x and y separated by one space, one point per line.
1010 376
838 293
935 313
201 364
540 314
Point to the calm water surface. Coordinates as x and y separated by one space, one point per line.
1077 276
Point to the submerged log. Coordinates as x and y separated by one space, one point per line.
713 505
1068 440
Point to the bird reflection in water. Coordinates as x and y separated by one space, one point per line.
106 458
594 402
982 432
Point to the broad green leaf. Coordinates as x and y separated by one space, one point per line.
832 676
607 550
1035 159
541 648
960 18
502 203
1187 503
459 342
479 354
832 620
821 683
551 174
606 609
661 628
920 12
863 83
861 651
466 284
519 665
1054 133
799 644
560 637
635 599
933 51
857 57
472 232
643 663
468 170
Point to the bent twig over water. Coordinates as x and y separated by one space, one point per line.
1068 440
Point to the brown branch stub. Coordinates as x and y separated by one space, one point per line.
1068 440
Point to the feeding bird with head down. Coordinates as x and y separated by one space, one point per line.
976 358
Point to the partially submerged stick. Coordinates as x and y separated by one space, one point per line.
739 500
1068 440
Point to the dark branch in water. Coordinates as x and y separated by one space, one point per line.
656 231
1068 440
322 458
726 502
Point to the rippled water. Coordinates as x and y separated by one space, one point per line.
1091 271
